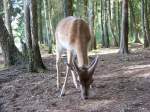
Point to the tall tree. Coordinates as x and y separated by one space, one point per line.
40 27
106 34
91 22
1 7
133 22
11 54
102 26
50 9
119 18
124 29
7 11
68 8
47 22
85 7
31 28
145 23
112 21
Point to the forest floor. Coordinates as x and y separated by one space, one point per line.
121 84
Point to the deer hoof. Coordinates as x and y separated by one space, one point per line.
62 94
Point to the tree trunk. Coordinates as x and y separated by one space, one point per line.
51 24
85 9
146 24
91 23
131 22
111 21
40 28
47 25
102 27
106 34
27 19
119 18
7 11
143 13
1 7
31 28
38 63
124 29
11 54
135 33
68 8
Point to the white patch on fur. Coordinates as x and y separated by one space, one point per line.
65 44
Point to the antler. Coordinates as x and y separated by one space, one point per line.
93 65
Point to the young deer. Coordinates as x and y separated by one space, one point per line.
73 34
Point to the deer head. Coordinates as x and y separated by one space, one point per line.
85 74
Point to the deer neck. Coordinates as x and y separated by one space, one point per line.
82 57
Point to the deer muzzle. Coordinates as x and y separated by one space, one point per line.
84 92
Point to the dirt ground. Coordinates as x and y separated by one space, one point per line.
121 84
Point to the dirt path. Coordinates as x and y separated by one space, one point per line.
122 84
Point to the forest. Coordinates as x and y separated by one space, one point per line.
74 56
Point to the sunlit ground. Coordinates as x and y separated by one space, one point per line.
98 51
104 51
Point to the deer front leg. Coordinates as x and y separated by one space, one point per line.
69 56
74 79
57 68
66 78
69 59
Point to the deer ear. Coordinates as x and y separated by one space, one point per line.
70 66
92 66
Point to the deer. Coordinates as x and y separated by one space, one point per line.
73 34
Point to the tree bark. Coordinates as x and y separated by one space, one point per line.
111 21
146 25
106 34
40 28
7 11
68 8
11 54
46 11
102 27
52 34
124 29
31 28
144 28
135 33
27 20
119 18
1 7
91 23
85 8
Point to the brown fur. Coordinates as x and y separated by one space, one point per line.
73 34
76 33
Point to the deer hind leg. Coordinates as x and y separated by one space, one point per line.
74 79
57 68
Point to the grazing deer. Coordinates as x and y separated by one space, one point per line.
73 34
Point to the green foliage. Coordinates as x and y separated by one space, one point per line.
17 19
56 13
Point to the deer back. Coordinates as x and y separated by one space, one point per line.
74 34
